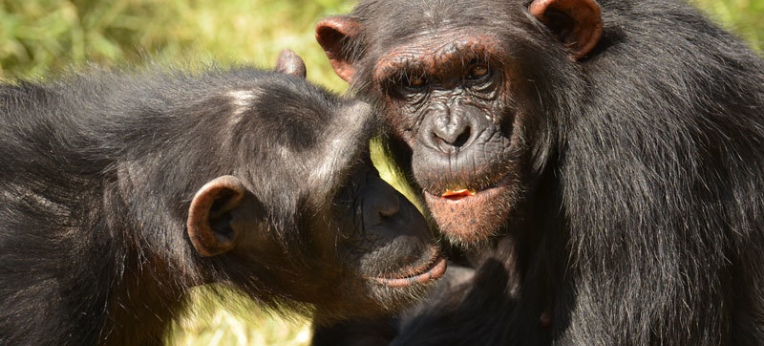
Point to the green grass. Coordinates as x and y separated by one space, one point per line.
234 320
745 17
40 37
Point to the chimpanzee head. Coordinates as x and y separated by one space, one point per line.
473 92
287 203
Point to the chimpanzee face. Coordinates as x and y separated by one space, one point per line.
460 92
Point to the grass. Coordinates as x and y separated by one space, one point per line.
37 37
236 321
745 17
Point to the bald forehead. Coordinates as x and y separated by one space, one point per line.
437 53
394 23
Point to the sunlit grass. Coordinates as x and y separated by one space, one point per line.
37 36
745 17
235 321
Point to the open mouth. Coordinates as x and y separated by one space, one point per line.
461 193
431 270
457 194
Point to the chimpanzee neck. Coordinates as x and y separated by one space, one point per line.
143 303
149 285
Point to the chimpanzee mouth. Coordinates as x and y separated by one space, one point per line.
462 193
430 271
467 216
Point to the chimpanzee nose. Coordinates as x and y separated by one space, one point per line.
452 131
399 230
452 127
382 202
388 205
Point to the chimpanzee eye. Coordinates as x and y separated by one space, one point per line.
415 82
477 72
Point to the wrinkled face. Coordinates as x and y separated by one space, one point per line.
461 87
447 98
383 244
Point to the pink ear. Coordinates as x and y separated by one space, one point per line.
334 35
211 203
577 22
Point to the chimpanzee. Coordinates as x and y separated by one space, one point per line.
121 189
602 163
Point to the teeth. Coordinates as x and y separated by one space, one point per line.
458 193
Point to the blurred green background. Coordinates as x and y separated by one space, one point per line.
38 38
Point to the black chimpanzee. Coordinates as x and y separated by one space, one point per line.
120 190
603 161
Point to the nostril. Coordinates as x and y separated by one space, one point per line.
453 138
391 208
381 202
452 131
462 138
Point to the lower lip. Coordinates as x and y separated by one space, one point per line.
430 272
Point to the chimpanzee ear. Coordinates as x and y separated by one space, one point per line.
290 63
210 224
578 23
333 34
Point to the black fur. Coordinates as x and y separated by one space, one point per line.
99 172
641 218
